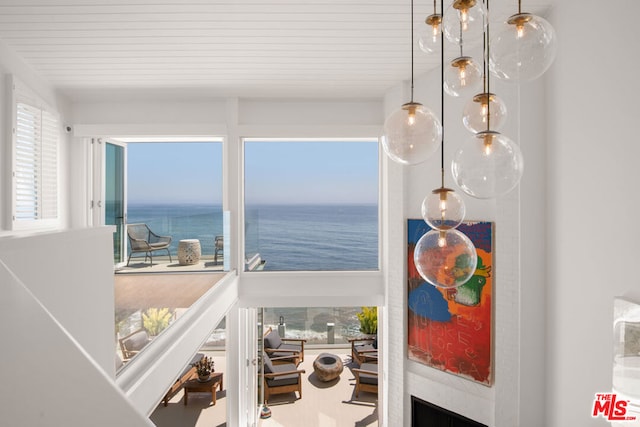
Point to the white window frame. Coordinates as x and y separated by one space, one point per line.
46 214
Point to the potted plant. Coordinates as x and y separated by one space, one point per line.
368 318
155 320
204 368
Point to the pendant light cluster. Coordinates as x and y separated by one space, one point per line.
487 165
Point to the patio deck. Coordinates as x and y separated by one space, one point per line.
161 264
139 291
323 404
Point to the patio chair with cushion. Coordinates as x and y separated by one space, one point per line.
364 350
133 343
282 378
275 346
366 378
142 239
218 248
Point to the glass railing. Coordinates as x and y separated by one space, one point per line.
151 322
318 325
181 222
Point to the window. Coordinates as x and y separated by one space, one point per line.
176 189
311 205
35 162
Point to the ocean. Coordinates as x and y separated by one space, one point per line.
287 237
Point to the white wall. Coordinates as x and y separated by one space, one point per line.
160 111
533 283
592 201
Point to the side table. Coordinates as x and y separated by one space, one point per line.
189 251
195 386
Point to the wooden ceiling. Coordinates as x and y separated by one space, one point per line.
247 48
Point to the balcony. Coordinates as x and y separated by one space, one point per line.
322 404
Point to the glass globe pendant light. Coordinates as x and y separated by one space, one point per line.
475 114
489 164
444 256
412 133
446 259
443 209
524 48
463 77
429 38
463 17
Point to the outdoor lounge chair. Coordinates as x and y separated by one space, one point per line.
275 346
142 239
218 248
364 350
133 343
366 378
282 378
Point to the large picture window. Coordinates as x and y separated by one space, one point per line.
311 205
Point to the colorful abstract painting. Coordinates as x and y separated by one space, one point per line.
451 329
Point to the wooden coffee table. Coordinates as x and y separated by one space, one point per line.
195 386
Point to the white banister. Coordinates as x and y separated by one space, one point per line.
41 358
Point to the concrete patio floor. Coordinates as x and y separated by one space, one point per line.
331 404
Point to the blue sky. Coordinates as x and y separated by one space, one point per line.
185 172
311 172
276 172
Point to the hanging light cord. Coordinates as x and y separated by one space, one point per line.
442 94
434 7
412 51
484 55
487 72
519 7
461 42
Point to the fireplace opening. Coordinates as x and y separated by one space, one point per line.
425 414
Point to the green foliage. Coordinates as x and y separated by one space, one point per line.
155 320
368 318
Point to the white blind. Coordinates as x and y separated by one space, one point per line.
36 164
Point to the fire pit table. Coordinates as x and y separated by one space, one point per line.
327 367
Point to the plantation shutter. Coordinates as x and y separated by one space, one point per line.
50 135
35 164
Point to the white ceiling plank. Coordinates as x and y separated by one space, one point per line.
181 16
323 48
221 9
10 26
